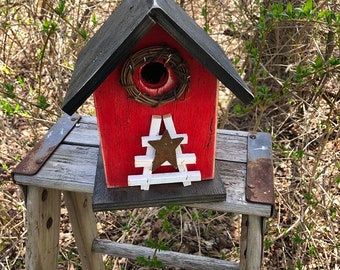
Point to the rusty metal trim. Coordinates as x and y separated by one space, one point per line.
260 177
37 157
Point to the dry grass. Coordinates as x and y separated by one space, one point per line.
291 63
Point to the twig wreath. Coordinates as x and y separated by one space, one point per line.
155 76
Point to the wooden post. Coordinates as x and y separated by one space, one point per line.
251 242
254 242
243 242
84 228
43 220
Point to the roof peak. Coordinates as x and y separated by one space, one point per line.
114 41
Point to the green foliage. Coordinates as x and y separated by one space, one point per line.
310 199
337 179
9 108
150 262
164 213
9 90
267 244
4 166
42 102
60 9
297 239
197 215
49 27
157 245
240 109
94 19
299 265
205 14
298 154
84 34
333 212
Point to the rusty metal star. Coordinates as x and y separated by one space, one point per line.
165 150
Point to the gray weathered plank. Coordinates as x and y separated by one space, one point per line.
84 133
71 168
231 148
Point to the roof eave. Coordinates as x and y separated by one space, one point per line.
107 48
196 41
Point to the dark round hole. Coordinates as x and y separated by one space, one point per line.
44 195
49 223
154 73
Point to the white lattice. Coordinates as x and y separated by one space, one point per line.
148 178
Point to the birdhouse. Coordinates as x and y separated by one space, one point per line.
154 73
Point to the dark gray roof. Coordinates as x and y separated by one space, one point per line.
126 27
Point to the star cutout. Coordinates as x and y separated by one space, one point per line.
165 150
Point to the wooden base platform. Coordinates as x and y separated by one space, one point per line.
71 170
72 167
158 195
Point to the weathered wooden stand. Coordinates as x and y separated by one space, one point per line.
71 169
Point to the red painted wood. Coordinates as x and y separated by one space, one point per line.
122 121
166 83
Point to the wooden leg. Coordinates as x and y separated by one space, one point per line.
84 228
43 220
251 242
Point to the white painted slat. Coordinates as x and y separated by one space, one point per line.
144 161
146 139
164 178
156 122
169 124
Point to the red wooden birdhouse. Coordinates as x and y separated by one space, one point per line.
154 73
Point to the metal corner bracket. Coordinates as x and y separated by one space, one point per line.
260 178
37 157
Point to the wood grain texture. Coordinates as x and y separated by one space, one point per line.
231 147
42 243
251 248
254 242
184 261
73 167
70 168
84 228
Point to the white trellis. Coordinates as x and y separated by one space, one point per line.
148 178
